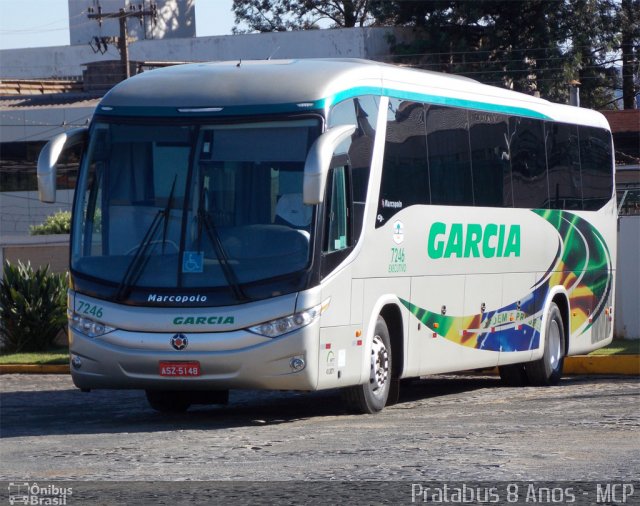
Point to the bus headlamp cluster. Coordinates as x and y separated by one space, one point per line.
87 326
281 326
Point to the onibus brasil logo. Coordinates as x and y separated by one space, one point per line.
34 494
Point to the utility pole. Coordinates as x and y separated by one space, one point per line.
122 16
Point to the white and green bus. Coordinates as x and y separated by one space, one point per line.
321 224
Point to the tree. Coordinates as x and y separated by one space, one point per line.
284 15
533 46
630 48
513 44
590 49
526 54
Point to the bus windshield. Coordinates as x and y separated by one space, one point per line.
182 206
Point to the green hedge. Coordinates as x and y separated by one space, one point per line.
58 223
32 307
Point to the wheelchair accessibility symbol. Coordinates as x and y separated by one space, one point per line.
192 262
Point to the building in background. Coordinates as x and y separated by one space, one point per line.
27 121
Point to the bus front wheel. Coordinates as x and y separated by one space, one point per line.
548 370
372 396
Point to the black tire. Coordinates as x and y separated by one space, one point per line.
548 370
372 396
168 401
394 392
513 375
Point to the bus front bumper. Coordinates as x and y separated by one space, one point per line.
274 364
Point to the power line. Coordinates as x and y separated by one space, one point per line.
77 122
122 41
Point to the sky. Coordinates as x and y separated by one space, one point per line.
39 23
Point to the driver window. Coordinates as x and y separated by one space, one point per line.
337 215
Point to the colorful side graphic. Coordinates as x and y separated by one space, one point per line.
582 265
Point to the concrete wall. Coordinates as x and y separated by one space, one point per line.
627 310
371 43
19 210
40 250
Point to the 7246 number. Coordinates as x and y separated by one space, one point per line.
89 309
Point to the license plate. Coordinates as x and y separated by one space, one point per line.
180 369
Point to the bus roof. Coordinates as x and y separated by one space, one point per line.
273 86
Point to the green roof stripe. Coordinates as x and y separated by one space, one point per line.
435 99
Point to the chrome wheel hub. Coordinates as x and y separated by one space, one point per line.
379 375
554 345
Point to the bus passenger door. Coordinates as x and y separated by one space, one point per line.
339 356
435 336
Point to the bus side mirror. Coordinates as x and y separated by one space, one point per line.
48 160
316 166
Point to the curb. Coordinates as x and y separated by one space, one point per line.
587 365
34 369
628 365
623 365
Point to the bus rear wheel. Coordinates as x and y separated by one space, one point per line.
548 370
372 396
168 401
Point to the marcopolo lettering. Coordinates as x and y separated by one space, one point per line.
176 298
203 320
473 240
393 204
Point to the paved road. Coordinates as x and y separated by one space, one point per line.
444 428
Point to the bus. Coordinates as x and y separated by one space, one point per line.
332 224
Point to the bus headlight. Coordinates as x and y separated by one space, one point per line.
280 326
87 326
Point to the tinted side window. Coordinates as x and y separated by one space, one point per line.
528 163
563 157
449 157
489 139
338 238
405 173
595 158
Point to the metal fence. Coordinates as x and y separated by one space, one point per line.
629 200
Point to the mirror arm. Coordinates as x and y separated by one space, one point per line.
318 160
48 159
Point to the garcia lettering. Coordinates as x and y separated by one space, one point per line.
473 240
203 320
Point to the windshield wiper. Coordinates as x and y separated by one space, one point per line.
141 259
223 259
167 211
